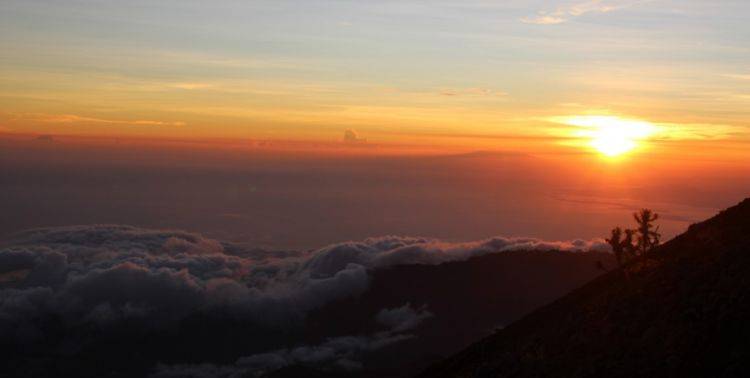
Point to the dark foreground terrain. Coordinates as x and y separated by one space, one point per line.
468 301
683 311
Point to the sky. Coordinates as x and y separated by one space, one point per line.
294 124
281 198
476 74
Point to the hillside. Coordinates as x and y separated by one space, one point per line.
681 312
468 299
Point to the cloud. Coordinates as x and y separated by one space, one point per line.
72 118
334 354
737 76
399 250
565 12
544 19
338 353
192 86
653 131
351 137
402 318
473 92
131 268
105 277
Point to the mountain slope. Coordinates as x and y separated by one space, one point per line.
468 299
683 311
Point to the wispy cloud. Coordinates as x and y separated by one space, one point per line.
564 13
737 76
661 131
191 86
472 92
229 61
72 118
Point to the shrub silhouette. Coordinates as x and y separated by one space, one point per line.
636 242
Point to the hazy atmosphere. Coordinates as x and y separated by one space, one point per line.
309 197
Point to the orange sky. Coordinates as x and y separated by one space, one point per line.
474 76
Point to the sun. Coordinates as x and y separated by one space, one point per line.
612 136
612 140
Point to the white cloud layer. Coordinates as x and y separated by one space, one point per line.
102 276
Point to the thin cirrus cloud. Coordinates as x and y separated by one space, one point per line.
565 13
737 76
473 92
73 118
192 86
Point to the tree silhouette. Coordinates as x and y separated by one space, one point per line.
629 248
636 242
648 236
617 245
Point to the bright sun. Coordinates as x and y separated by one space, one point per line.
612 136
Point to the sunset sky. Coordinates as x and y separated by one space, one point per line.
485 74
301 123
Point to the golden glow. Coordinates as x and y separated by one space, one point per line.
610 135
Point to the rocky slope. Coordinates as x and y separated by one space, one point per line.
682 311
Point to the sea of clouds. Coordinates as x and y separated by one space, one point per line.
104 275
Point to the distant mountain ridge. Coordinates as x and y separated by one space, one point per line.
683 311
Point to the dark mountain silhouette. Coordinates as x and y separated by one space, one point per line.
683 311
469 300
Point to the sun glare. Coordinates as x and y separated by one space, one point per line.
612 136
